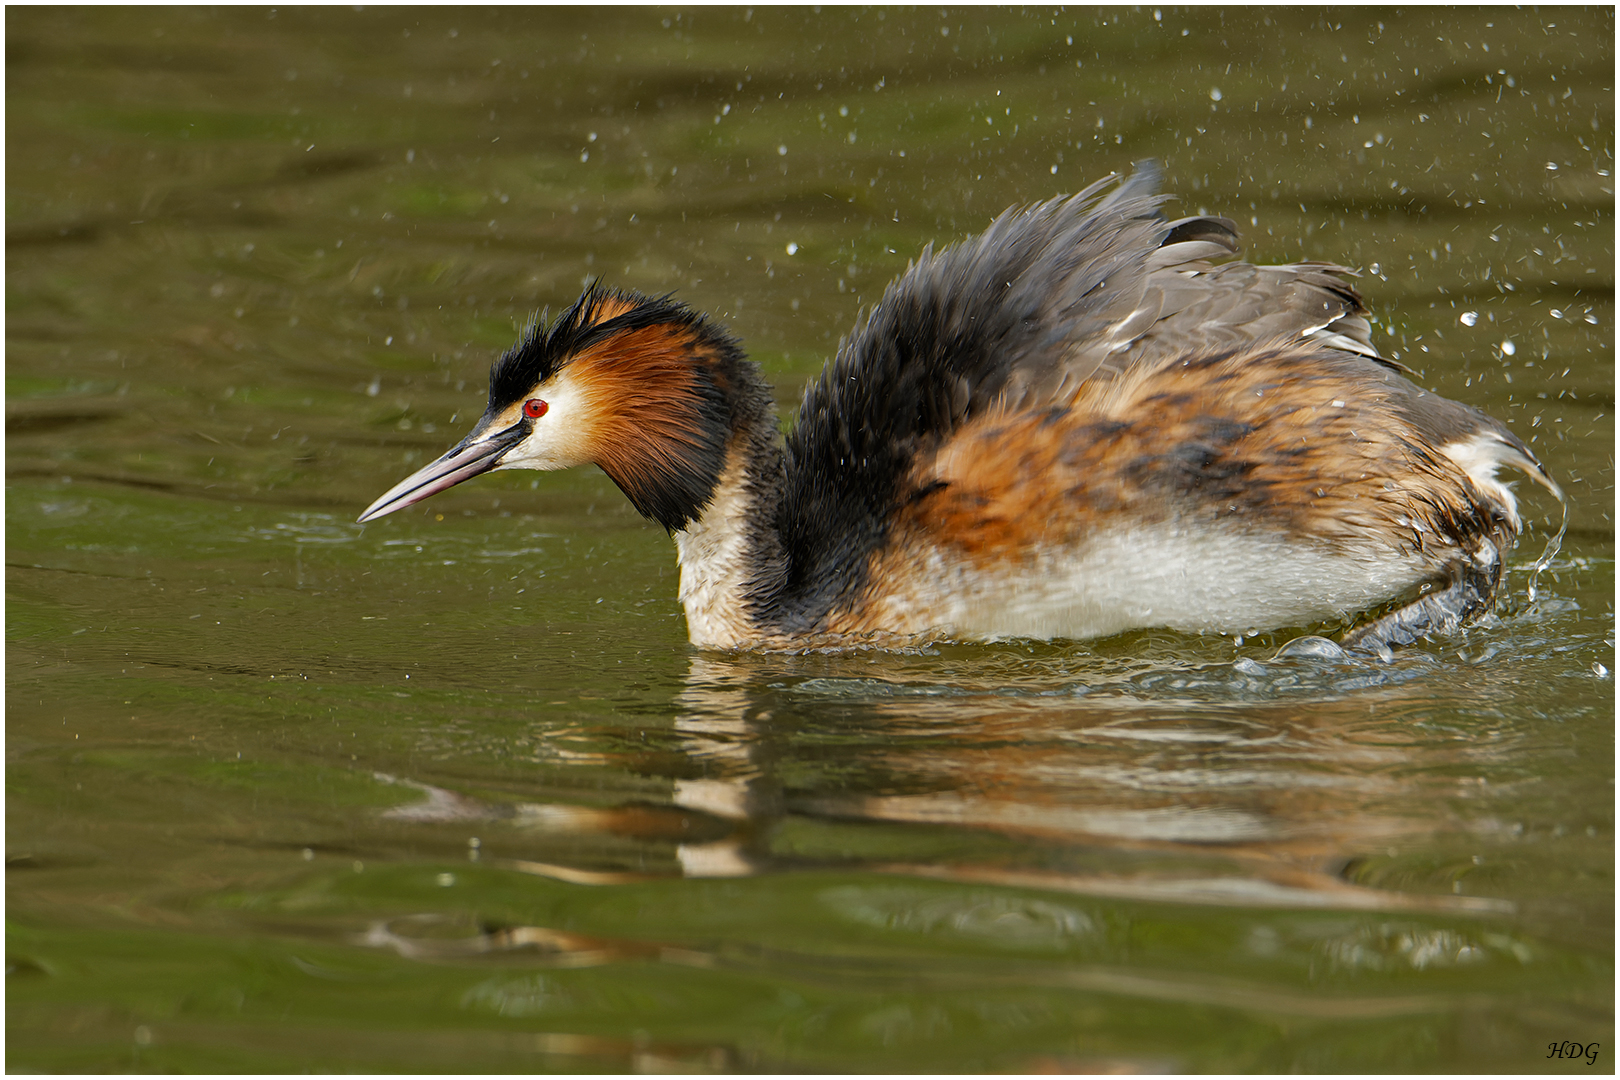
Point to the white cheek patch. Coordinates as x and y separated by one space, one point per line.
562 438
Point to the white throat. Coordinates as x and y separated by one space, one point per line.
713 555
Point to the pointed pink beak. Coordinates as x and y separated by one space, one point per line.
464 461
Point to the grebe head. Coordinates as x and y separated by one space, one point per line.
636 384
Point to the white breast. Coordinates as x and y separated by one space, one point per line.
714 566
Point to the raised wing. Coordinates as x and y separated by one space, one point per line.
1048 298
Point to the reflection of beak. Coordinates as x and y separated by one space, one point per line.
467 459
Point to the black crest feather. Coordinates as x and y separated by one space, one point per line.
542 350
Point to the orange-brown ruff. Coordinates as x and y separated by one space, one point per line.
1072 425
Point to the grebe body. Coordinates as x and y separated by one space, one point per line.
1072 425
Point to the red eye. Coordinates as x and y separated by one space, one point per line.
534 408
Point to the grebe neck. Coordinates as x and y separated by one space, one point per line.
731 554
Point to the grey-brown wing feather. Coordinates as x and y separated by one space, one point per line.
1199 307
1167 296
1204 307
1183 303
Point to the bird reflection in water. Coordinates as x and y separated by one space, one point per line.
1244 804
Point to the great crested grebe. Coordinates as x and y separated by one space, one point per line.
1072 425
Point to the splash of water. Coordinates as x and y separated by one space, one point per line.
1550 552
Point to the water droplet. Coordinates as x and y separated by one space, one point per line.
1312 645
